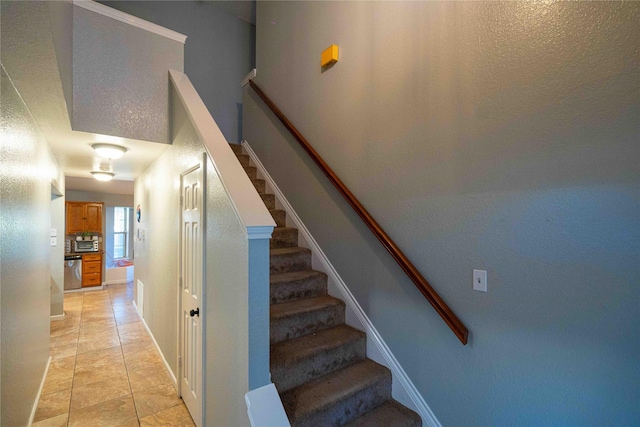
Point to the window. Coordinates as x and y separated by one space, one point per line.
120 232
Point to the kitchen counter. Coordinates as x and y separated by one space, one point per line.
83 253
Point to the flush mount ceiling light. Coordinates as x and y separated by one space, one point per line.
103 176
109 151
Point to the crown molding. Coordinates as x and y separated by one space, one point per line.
129 19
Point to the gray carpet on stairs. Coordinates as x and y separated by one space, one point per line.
318 363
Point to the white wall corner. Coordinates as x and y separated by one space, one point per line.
403 389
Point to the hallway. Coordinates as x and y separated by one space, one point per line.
105 370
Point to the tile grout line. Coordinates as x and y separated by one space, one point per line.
75 359
126 369
89 310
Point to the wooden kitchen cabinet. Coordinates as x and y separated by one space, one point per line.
84 217
91 270
93 222
75 217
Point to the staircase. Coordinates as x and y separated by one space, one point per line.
318 363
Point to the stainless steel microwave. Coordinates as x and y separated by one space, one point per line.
85 246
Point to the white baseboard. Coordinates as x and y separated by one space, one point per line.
117 282
403 389
87 289
37 401
166 365
57 316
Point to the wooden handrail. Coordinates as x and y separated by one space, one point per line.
421 283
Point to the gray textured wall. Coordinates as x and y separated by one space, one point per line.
121 78
218 53
227 359
492 135
26 171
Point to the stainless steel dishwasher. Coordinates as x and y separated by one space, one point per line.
72 272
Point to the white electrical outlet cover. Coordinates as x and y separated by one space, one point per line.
54 241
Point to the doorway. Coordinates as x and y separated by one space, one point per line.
191 308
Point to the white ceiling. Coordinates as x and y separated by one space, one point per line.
76 157
28 57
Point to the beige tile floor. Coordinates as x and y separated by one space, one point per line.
105 370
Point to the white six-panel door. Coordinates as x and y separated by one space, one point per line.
192 199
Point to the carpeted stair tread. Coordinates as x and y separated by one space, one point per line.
296 285
284 237
237 148
318 363
301 317
389 414
303 359
338 397
303 347
289 259
279 216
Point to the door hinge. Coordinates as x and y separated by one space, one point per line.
179 362
181 200
180 281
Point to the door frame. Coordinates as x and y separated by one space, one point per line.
203 165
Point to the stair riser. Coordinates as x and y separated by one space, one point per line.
302 324
243 159
290 262
298 289
252 171
284 238
280 217
348 407
291 375
237 148
391 413
269 201
259 185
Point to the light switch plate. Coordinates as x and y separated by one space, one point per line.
54 241
480 280
54 232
